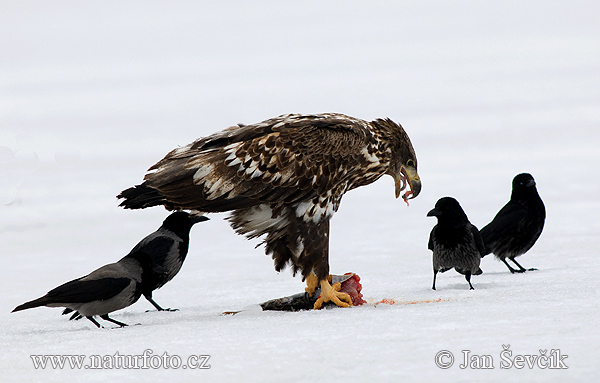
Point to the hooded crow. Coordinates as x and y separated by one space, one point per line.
518 225
109 288
168 247
455 242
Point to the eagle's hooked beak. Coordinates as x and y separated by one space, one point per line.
407 176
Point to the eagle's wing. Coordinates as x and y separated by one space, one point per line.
286 159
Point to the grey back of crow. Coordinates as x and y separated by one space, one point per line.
110 288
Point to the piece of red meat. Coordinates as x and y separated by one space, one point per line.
353 288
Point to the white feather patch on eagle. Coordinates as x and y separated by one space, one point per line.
280 124
309 211
297 252
182 149
371 157
231 147
231 156
234 162
256 174
218 188
251 168
204 170
259 219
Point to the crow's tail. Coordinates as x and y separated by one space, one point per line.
34 303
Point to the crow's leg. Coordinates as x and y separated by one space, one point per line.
105 317
521 268
149 298
93 321
468 278
510 268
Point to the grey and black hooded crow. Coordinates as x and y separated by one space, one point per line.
168 247
455 242
109 288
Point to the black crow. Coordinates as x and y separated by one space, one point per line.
168 247
109 288
517 226
455 242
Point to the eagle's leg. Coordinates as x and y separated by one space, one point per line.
312 282
331 293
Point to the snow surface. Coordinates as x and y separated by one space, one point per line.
93 93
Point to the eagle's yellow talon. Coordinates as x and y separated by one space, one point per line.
331 293
336 286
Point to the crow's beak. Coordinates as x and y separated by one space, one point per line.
530 183
198 218
434 213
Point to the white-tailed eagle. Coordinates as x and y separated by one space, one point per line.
283 178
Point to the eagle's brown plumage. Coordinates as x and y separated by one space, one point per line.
282 178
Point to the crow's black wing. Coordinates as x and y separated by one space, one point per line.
82 291
158 248
430 244
478 240
505 223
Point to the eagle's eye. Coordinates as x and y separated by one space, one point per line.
410 163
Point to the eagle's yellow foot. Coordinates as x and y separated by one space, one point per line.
331 293
312 282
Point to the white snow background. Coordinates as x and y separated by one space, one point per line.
94 93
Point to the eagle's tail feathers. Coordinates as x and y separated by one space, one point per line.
140 197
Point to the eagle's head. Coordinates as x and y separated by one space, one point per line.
403 163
